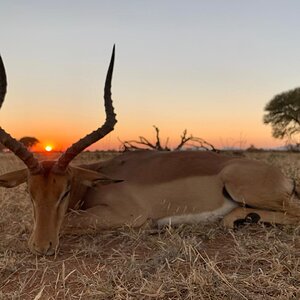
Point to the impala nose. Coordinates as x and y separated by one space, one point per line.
44 249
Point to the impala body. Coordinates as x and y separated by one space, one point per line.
137 187
189 187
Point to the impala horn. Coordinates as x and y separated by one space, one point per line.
8 141
3 82
64 160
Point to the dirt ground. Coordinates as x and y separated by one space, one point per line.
202 261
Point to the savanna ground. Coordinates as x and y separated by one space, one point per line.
202 261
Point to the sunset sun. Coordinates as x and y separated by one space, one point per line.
48 148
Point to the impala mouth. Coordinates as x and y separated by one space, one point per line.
44 249
49 252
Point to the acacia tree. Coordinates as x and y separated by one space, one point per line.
186 140
29 141
283 113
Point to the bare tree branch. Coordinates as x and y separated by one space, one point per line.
184 140
158 145
203 144
143 144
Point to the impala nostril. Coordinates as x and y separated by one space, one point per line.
51 250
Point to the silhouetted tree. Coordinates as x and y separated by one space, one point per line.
283 113
29 141
142 143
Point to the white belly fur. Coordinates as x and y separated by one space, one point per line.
206 216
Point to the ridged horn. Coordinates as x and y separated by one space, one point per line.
8 141
96 135
3 82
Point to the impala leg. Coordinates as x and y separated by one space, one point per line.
252 215
293 206
101 218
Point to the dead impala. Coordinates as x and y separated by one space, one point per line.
164 187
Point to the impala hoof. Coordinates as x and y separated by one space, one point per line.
252 218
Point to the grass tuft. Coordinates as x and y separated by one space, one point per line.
202 261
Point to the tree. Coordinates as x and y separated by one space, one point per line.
144 143
29 141
283 113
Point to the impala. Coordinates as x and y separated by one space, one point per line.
136 187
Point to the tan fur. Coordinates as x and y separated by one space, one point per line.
175 187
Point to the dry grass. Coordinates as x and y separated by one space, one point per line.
190 262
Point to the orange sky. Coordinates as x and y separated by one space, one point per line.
226 138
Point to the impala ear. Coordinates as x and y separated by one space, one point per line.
91 178
13 179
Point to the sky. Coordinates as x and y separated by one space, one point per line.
206 66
